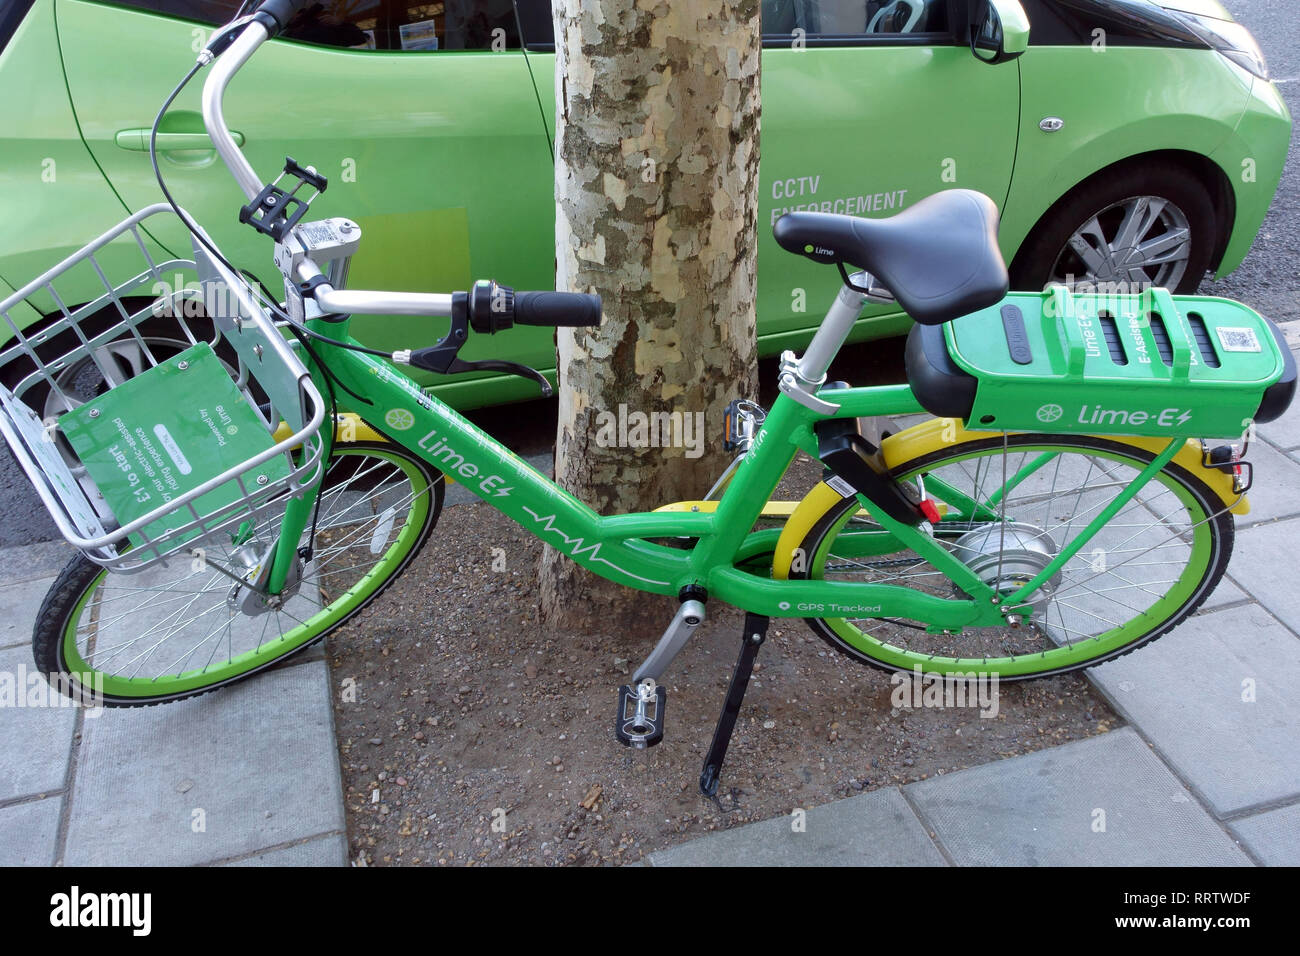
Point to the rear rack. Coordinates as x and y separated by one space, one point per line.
64 366
1138 364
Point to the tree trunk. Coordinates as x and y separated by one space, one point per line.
656 184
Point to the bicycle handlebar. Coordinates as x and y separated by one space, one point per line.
573 309
252 36
543 308
282 11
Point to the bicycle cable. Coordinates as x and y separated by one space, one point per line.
268 302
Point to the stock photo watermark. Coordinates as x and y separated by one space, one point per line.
919 690
636 429
35 689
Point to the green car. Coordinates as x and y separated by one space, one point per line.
1133 142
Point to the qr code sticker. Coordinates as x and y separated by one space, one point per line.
1238 340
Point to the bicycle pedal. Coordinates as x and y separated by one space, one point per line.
639 721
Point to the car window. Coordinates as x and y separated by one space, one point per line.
854 18
11 14
392 25
823 22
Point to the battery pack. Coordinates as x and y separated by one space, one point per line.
1147 364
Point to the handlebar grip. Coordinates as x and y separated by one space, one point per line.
574 309
282 11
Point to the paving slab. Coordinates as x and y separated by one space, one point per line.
1216 697
215 777
41 560
874 829
1274 485
29 832
36 736
1266 563
328 850
1047 808
1273 836
19 604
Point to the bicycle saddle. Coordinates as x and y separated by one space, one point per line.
940 258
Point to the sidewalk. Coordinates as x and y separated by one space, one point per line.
250 776
246 776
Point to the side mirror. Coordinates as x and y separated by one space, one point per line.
999 30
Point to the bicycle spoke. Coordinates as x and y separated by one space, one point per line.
1123 570
181 621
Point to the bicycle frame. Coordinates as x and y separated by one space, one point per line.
623 548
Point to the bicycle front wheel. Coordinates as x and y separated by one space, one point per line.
1006 516
185 628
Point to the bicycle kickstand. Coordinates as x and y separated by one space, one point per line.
755 634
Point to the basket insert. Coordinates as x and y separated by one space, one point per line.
164 433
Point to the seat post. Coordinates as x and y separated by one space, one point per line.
834 330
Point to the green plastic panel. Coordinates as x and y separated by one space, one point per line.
167 431
1148 364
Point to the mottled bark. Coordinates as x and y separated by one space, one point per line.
656 198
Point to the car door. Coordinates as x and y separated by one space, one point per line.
422 116
869 106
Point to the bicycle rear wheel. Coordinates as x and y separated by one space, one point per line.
1144 572
184 628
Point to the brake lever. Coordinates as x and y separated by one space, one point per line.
443 359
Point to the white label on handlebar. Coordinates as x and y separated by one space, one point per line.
319 232
293 302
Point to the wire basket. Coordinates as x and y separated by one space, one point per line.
63 363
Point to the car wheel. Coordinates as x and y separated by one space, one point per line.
1140 226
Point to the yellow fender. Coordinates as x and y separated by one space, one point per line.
348 427
938 433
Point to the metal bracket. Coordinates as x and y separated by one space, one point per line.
791 386
799 388
322 241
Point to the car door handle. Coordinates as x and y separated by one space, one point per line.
138 140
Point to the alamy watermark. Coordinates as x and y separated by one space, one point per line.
919 689
24 688
625 429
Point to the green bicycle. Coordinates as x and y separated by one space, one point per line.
291 473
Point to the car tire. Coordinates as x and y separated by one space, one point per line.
1046 254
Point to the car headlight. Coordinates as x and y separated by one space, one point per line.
1229 38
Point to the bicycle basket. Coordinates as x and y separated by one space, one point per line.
1147 364
145 418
